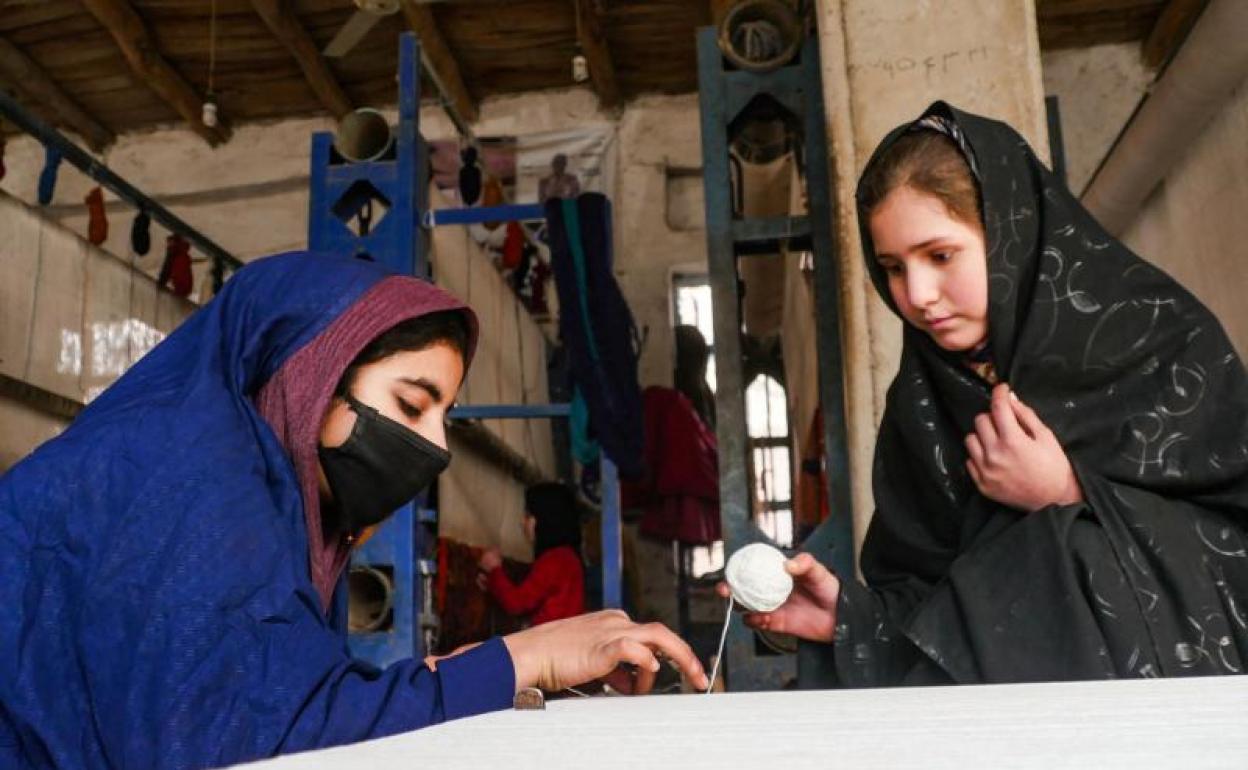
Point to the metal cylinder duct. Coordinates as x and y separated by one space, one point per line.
1199 79
363 135
370 600
760 35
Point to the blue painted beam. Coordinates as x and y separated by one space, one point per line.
509 411
612 559
84 162
526 212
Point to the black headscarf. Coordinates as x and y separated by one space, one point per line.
558 521
1144 391
692 355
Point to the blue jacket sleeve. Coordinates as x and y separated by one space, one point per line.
363 703
191 691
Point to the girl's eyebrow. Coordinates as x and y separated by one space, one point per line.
426 385
916 247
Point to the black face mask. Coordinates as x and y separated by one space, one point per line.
380 466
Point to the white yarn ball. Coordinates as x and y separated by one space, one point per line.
757 577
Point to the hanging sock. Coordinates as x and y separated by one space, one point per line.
513 245
492 195
97 222
47 178
177 267
469 176
141 234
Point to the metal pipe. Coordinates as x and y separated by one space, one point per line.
371 602
86 163
512 212
509 411
1201 76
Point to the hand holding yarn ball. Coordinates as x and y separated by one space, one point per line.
806 610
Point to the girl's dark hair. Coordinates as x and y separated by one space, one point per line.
692 355
929 162
446 326
558 521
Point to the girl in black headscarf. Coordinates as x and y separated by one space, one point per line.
1061 474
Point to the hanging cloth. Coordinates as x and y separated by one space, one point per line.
141 234
97 221
176 270
597 327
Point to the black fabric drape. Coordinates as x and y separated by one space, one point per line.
1146 394
596 326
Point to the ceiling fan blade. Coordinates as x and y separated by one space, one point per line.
351 33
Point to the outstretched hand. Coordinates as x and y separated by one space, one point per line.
1016 460
490 559
572 651
810 611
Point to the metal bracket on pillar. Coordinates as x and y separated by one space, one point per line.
393 187
723 95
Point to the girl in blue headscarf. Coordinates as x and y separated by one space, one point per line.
168 564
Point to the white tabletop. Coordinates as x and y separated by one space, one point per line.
1177 723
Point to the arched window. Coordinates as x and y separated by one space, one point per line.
767 422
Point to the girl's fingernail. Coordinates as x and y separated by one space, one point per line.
1013 395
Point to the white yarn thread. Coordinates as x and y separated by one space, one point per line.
757 577
723 635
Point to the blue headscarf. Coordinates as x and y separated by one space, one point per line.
154 568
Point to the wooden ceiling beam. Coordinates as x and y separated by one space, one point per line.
287 28
593 42
31 79
719 9
139 47
439 61
1173 24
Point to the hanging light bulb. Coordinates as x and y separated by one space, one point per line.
209 114
580 69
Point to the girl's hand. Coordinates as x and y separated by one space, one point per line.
572 651
810 611
490 558
1016 460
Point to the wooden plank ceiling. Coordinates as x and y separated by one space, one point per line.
104 67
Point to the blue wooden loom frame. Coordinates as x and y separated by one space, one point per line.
400 239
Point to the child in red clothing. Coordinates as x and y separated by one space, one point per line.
555 586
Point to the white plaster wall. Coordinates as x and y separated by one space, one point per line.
250 195
1098 88
480 504
73 318
22 429
1194 225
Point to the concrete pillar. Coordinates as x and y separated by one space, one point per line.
883 62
